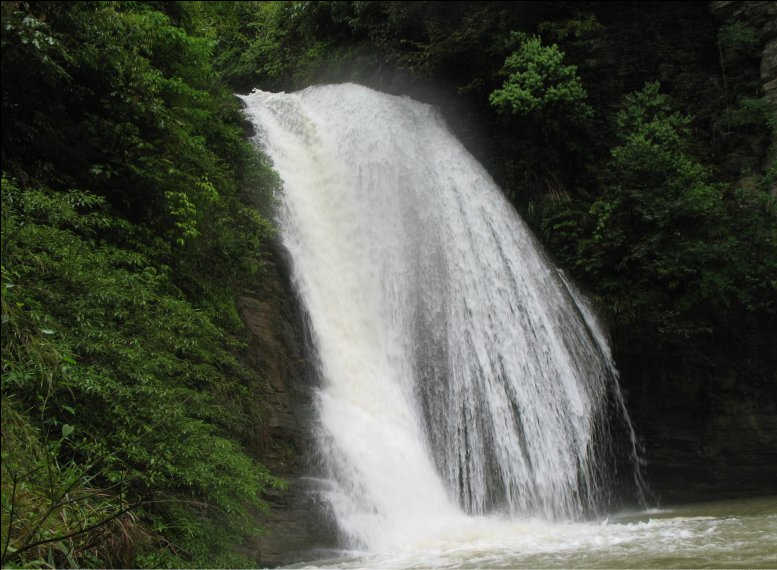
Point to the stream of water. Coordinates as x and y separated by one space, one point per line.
725 534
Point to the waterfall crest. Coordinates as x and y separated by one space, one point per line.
461 373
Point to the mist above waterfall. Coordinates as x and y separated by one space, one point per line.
461 373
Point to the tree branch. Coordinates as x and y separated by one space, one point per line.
78 532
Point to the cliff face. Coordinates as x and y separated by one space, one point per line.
296 524
706 433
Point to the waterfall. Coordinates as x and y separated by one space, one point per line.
461 373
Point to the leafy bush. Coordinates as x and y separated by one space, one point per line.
538 83
669 248
129 391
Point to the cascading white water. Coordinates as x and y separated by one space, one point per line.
461 374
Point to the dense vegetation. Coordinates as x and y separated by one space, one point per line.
130 215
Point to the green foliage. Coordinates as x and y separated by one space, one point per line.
737 36
539 83
286 45
581 24
748 118
158 135
54 512
126 383
543 101
668 248
118 299
251 42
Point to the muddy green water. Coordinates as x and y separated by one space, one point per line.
724 534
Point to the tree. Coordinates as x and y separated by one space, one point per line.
669 249
539 85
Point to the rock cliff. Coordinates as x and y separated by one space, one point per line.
296 524
707 433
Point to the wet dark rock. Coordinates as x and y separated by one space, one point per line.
707 434
296 523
